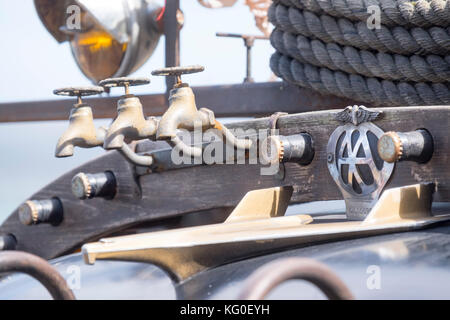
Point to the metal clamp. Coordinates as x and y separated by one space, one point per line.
273 119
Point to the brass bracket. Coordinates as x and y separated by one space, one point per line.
188 251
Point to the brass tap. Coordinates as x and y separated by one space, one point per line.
130 123
182 112
81 131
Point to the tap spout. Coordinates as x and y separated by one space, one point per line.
130 124
80 133
183 114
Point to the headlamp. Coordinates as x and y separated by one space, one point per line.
108 38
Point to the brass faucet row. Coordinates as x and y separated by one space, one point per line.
131 124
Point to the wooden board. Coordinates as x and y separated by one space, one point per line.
167 194
238 100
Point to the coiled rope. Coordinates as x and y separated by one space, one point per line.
332 51
421 13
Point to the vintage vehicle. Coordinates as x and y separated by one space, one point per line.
340 178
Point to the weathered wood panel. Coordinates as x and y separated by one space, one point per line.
170 193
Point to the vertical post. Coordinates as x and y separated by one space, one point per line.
249 41
172 38
249 65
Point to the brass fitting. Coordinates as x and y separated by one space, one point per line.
41 211
183 114
81 131
130 123
406 146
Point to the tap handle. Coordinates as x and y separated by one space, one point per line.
248 38
177 72
79 92
125 82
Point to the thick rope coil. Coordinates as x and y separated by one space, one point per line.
421 13
370 90
341 56
430 68
398 40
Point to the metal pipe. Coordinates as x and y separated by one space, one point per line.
272 274
197 152
38 268
172 38
133 158
242 36
194 152
249 40
248 77
231 138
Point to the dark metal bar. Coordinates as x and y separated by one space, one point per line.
172 37
240 100
38 268
248 77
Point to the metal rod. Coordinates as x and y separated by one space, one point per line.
249 40
189 151
248 77
243 36
38 268
172 38
243 144
133 158
272 274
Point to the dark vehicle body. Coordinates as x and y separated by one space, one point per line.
410 265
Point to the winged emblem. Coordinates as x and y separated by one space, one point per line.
357 115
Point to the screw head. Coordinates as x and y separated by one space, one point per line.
28 213
274 152
390 147
330 158
81 187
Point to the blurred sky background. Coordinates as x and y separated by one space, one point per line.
33 64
